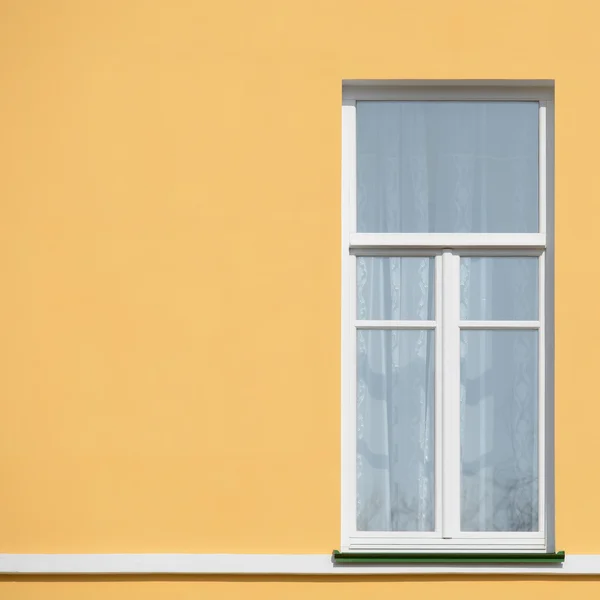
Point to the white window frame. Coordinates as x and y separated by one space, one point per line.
447 249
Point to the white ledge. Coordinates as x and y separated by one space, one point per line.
263 564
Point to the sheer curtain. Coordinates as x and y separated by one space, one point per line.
446 167
449 167
499 391
395 397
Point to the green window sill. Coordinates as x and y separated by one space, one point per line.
446 557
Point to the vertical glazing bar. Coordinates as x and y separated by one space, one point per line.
542 168
451 402
549 497
542 395
439 486
348 337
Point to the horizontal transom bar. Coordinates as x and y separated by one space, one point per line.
499 324
509 241
395 324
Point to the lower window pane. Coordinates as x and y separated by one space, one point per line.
395 435
499 430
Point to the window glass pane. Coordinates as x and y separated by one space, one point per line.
499 430
395 436
447 166
499 288
394 288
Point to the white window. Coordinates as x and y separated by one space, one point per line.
447 308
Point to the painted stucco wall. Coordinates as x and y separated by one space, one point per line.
170 263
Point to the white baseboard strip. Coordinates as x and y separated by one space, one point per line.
263 564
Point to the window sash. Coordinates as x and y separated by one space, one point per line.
447 249
447 327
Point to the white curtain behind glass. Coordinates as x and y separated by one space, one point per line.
447 167
498 397
395 397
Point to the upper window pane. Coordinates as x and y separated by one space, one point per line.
394 288
449 167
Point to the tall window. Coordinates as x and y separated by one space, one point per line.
447 318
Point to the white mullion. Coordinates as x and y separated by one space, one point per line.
542 396
349 168
438 397
451 387
372 324
542 181
542 168
348 341
499 324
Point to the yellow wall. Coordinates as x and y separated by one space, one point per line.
291 588
170 263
